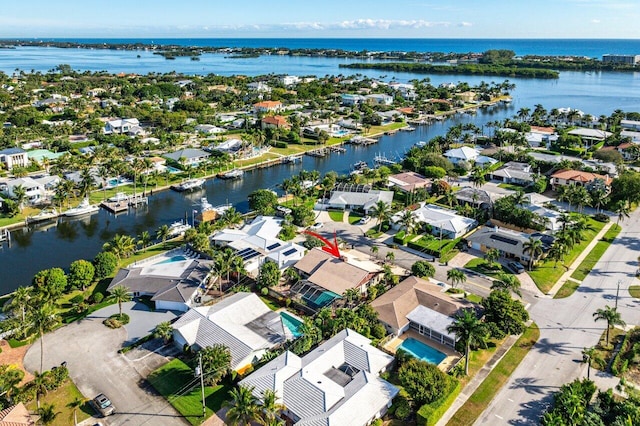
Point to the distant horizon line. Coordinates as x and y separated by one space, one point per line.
31 38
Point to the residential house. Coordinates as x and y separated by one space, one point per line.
510 244
325 278
189 157
419 305
590 137
172 286
444 223
463 153
230 146
577 177
350 99
259 86
407 91
289 80
379 99
209 129
241 322
268 106
17 415
632 135
541 136
14 157
159 164
514 173
129 126
475 197
44 155
258 241
408 181
274 122
34 190
337 383
630 124
365 201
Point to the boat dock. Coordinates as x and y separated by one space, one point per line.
5 235
321 152
120 206
362 141
338 149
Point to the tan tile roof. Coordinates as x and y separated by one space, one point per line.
580 176
330 273
18 415
267 104
276 120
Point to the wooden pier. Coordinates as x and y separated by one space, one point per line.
362 141
5 235
121 206
321 152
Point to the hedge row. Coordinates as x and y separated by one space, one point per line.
621 361
429 414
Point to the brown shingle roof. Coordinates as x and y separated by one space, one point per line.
331 273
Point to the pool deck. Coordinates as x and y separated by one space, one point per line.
445 365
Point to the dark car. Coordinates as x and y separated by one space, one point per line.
103 405
516 267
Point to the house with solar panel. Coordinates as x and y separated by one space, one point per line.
338 383
242 322
258 241
510 244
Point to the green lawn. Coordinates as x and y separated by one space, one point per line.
480 399
592 258
547 273
481 266
172 377
634 291
60 398
473 298
354 217
511 186
272 304
336 215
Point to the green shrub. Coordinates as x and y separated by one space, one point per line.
399 237
112 323
402 408
280 144
79 298
601 217
429 414
97 297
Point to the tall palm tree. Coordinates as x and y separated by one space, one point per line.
270 409
456 276
478 176
40 385
42 318
507 282
74 405
622 210
122 246
492 256
611 316
534 248
47 414
163 331
119 294
590 355
381 211
231 217
20 302
163 233
144 239
19 195
351 295
374 250
470 330
407 220
243 407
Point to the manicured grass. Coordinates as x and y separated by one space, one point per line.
60 398
481 266
547 273
634 291
447 257
604 353
270 303
354 218
511 186
480 399
592 258
173 377
251 161
336 215
473 298
567 289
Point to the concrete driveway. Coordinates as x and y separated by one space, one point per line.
91 352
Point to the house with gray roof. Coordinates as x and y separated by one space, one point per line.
14 157
338 383
474 197
515 173
445 223
190 157
171 286
510 244
359 200
242 322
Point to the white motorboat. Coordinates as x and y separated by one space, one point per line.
44 215
83 208
205 205
188 185
178 228
233 174
119 197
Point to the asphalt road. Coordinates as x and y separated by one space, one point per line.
91 352
566 328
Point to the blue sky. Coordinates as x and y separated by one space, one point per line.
322 18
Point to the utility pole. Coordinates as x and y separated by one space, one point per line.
200 372
617 293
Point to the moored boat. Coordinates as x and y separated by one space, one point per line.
83 208
178 228
232 174
44 215
188 185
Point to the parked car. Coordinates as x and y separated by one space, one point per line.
316 226
364 220
516 267
103 405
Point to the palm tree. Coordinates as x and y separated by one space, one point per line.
270 409
47 414
492 256
74 405
243 407
40 385
456 276
144 239
223 262
407 220
42 319
231 217
557 252
20 301
611 316
374 250
381 211
390 256
534 248
351 295
478 176
468 328
122 246
163 331
163 233
622 210
19 195
119 294
507 282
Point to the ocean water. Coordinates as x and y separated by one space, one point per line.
579 47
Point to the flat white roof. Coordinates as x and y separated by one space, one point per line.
432 319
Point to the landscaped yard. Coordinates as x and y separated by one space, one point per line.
592 258
634 291
604 353
547 273
60 398
511 186
480 399
173 377
336 215
354 217
481 266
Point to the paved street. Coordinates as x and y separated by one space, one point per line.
566 327
90 350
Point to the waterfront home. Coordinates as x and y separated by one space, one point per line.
267 106
34 190
259 86
510 244
514 173
188 157
541 136
258 241
630 124
365 201
158 164
128 126
406 90
14 157
274 122
379 99
632 136
40 155
289 80
408 181
337 383
241 322
209 129
324 278
230 146
419 305
444 223
350 99
173 284
577 177
463 153
590 137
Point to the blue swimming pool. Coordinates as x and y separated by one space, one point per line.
292 323
422 351
173 259
173 169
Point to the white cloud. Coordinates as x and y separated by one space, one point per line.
465 24
595 21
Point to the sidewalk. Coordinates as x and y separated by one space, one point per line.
567 275
477 380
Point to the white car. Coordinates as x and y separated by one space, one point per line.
364 220
316 226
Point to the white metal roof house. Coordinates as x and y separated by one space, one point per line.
359 200
34 190
192 156
122 126
444 223
241 322
338 383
